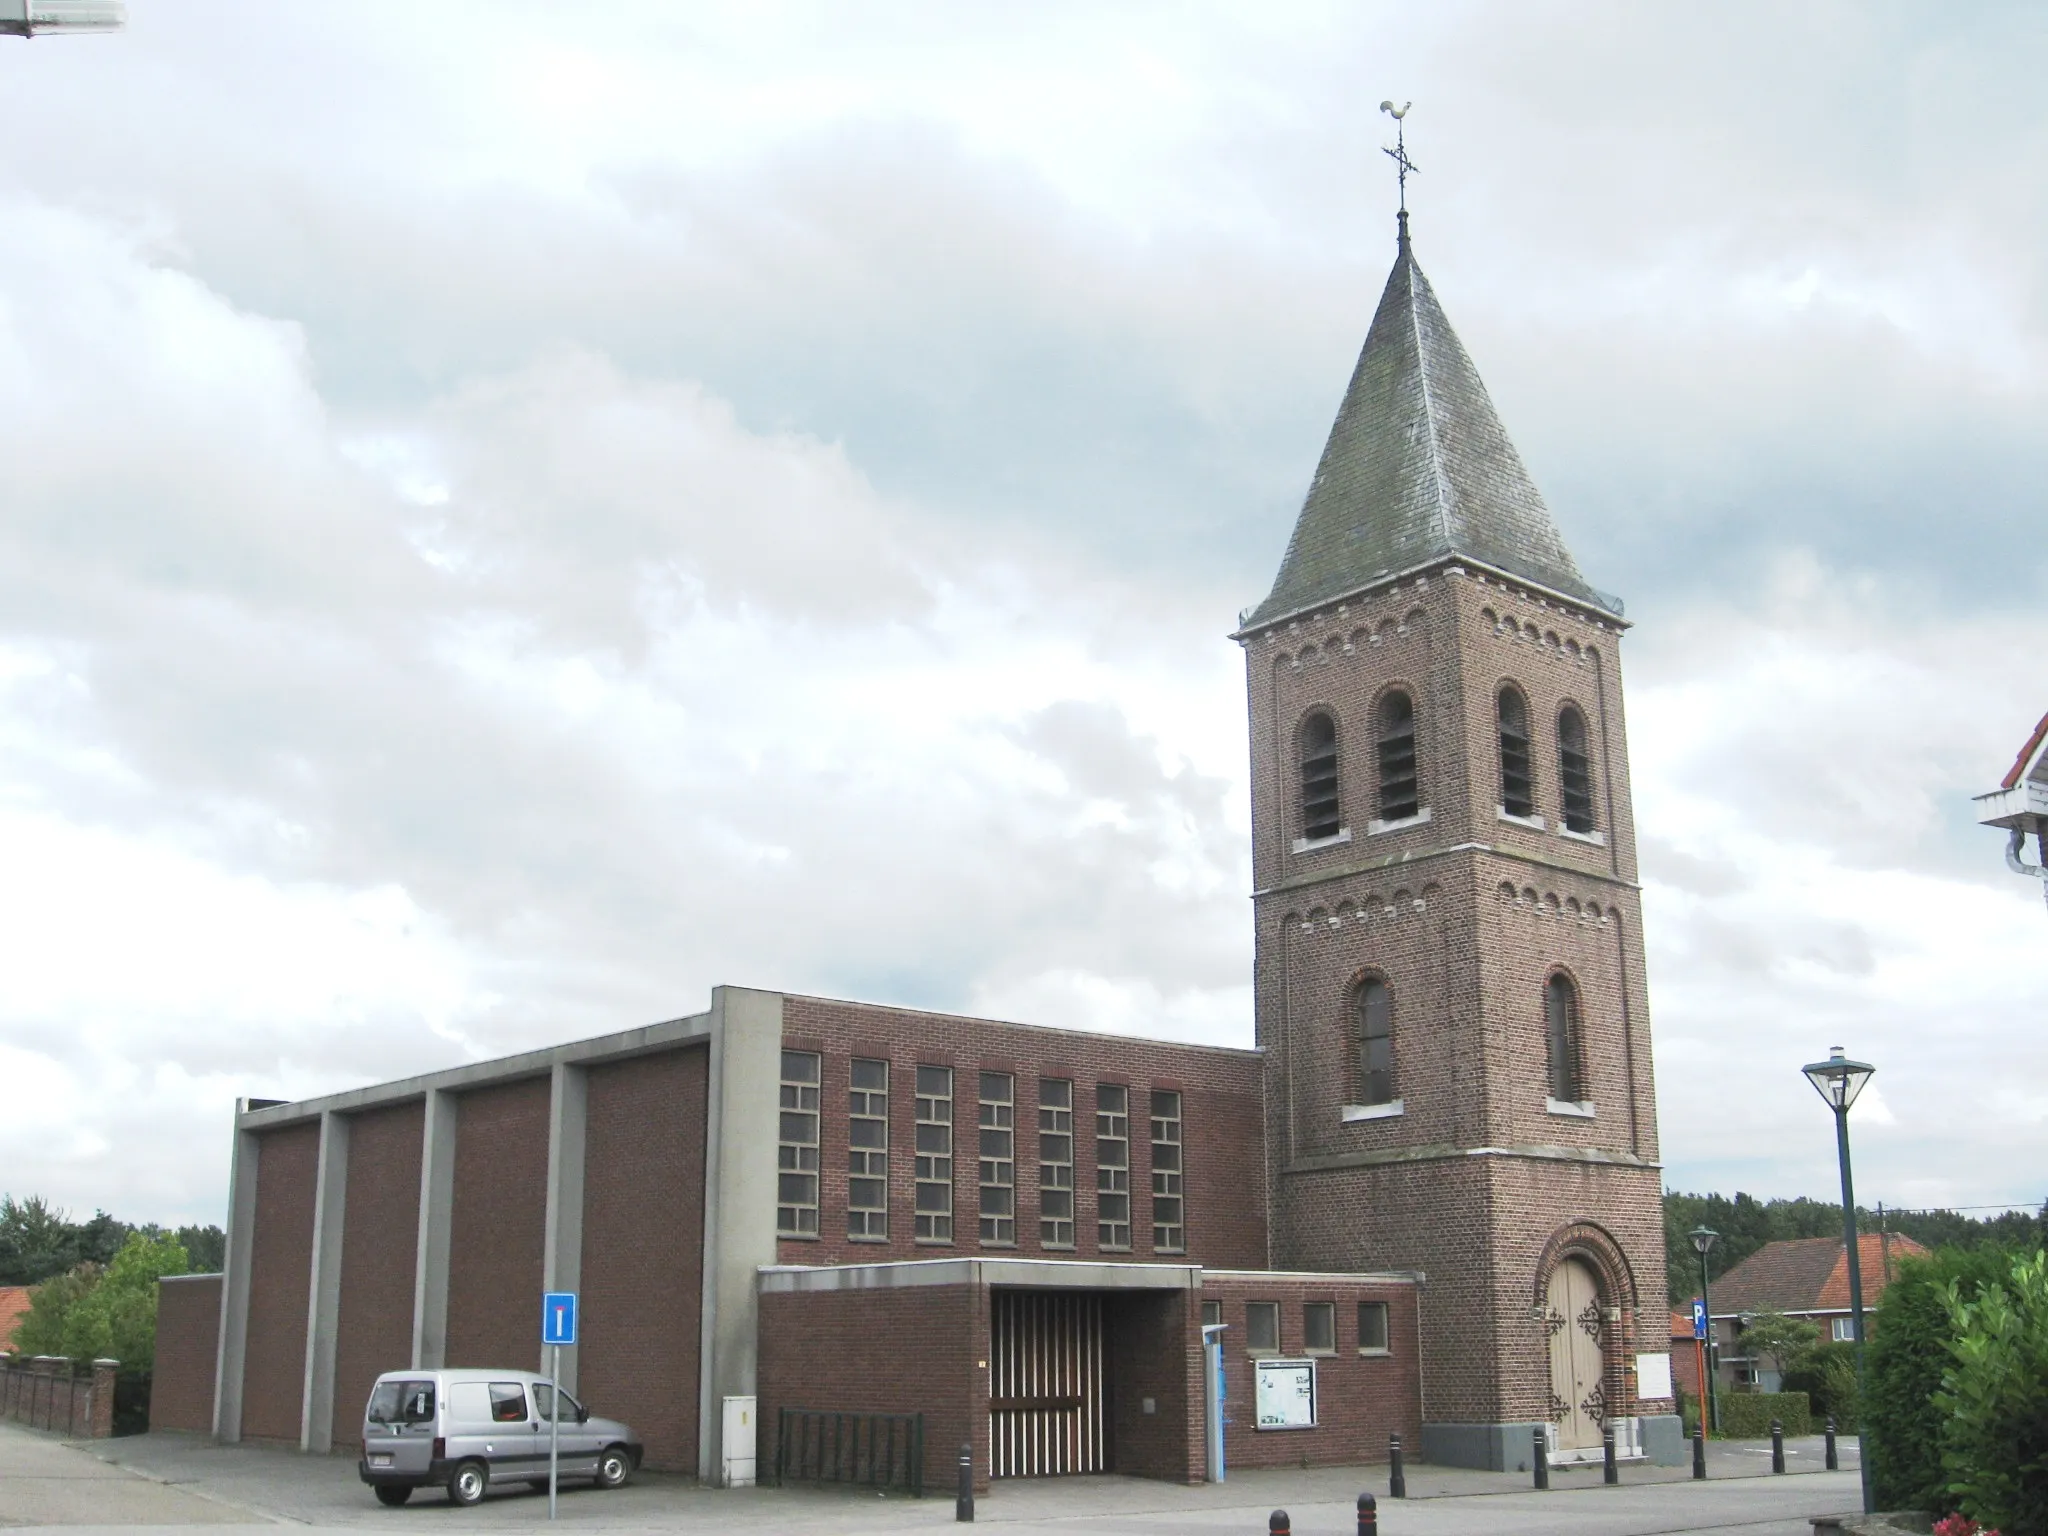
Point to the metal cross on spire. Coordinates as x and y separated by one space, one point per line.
1399 153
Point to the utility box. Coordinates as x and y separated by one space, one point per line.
738 1441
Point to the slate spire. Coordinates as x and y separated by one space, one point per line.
1418 468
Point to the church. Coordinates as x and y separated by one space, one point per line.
1426 1203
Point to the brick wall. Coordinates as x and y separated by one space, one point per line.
280 1272
498 1225
380 1235
643 1249
1465 917
187 1348
915 1349
1154 1344
1220 1108
1360 1399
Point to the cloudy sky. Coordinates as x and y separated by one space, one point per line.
511 516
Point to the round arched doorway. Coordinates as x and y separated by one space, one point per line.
1577 1325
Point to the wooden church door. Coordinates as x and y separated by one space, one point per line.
1578 1356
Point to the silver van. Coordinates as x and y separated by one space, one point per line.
464 1430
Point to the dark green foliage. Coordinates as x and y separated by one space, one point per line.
1907 1357
1748 1415
37 1241
1827 1375
1994 1398
1746 1224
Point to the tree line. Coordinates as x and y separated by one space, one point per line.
1747 1223
38 1241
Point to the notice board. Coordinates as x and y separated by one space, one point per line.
1284 1393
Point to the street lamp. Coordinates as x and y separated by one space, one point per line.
1838 1080
1703 1240
36 18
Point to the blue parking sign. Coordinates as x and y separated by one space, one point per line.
1699 1318
558 1317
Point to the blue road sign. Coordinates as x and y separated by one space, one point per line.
558 1317
1699 1318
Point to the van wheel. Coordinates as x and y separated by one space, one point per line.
613 1468
467 1484
393 1494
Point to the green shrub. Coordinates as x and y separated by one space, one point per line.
1827 1375
1904 1363
1748 1415
1995 1397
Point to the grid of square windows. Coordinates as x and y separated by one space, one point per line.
1112 1166
1056 1162
1169 1227
998 1158
935 1154
796 1185
867 1156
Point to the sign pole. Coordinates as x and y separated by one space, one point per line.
554 1425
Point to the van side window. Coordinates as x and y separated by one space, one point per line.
508 1403
416 1406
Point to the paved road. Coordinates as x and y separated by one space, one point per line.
180 1481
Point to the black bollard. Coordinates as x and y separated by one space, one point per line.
1369 1513
1609 1473
1834 1461
963 1501
1777 1446
1699 1453
1397 1475
1277 1524
1542 1458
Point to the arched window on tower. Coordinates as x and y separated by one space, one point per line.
1517 779
1375 1042
1561 1032
1321 808
1399 796
1574 770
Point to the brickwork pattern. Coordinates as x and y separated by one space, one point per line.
1154 1343
917 1349
187 1347
1221 1108
498 1225
1361 1399
379 1237
280 1272
1465 916
643 1249
74 1398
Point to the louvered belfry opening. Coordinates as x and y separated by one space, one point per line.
1574 770
1321 808
1517 783
1048 1374
1398 794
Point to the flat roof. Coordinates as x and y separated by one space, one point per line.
1043 1274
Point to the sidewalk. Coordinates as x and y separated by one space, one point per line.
283 1486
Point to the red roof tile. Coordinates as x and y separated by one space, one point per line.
2012 779
1810 1274
13 1308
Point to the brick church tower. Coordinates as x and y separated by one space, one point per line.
1450 983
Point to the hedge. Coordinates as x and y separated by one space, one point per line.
1748 1415
1905 1359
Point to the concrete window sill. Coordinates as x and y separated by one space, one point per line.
1310 844
1376 1354
1533 823
1594 839
1386 1111
1377 828
1582 1110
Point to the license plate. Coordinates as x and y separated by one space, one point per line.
380 1461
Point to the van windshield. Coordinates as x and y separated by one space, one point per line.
401 1402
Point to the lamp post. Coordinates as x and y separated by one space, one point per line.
38 18
1703 1240
1838 1080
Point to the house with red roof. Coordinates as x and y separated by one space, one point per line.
1801 1277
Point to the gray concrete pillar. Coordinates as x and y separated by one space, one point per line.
437 1206
562 1247
323 1301
739 1203
232 1352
